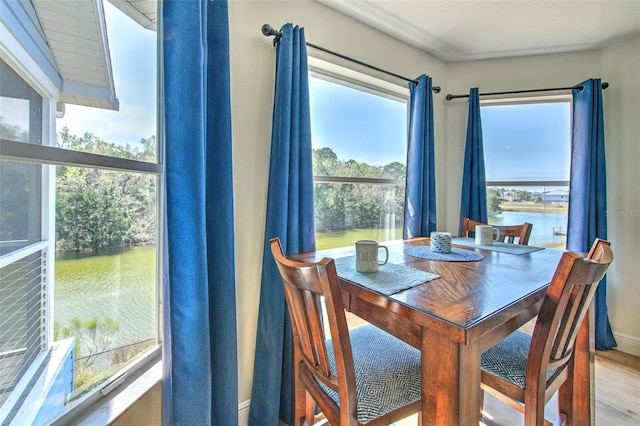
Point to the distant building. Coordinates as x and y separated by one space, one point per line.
511 196
559 196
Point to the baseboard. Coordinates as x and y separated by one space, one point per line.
627 344
243 413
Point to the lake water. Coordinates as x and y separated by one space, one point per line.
120 285
544 225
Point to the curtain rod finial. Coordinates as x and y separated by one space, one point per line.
268 30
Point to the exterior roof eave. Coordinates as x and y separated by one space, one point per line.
144 12
77 36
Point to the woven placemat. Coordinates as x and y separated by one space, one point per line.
389 279
497 246
456 255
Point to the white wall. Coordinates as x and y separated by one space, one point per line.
621 68
252 79
252 82
498 75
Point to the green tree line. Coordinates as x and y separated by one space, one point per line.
496 196
339 206
96 208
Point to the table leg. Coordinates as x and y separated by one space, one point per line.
576 397
450 381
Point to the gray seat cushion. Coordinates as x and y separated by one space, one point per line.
508 358
387 372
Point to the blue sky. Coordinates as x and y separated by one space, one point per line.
133 60
524 141
357 125
527 141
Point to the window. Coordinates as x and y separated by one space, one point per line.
359 137
23 256
527 158
79 240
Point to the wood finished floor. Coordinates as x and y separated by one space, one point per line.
617 392
617 396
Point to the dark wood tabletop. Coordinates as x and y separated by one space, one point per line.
454 318
470 298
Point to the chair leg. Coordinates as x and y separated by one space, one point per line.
534 414
310 409
561 421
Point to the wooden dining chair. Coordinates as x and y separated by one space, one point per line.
518 234
526 370
360 376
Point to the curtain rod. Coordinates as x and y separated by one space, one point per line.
580 88
268 30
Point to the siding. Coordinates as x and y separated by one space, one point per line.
22 21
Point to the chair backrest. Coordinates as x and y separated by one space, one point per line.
597 250
518 234
305 285
564 307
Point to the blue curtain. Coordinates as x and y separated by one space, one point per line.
588 191
420 191
200 343
473 203
289 217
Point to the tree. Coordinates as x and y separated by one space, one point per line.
329 206
395 170
324 161
368 214
524 195
13 133
98 209
344 205
16 179
493 202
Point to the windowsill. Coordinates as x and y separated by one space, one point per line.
103 405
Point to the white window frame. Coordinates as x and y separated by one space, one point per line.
139 376
331 72
507 100
528 100
347 77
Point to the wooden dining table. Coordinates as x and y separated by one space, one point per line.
454 318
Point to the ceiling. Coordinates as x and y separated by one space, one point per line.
462 30
451 30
